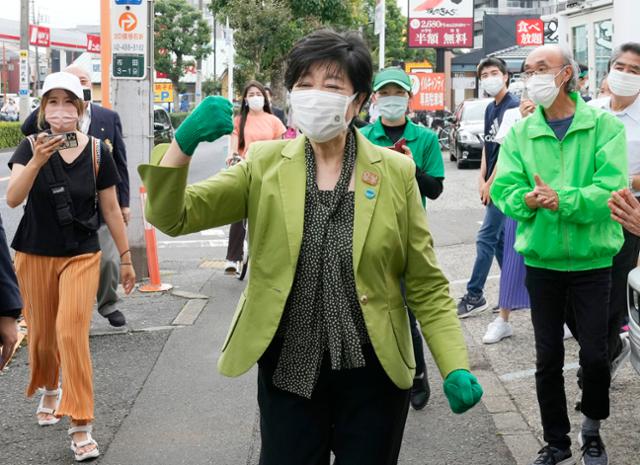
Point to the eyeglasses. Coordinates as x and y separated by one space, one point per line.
527 74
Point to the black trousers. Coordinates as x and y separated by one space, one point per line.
418 348
588 291
359 414
10 300
625 261
237 232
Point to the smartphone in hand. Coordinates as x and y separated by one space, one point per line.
398 145
70 140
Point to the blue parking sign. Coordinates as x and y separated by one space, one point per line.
128 2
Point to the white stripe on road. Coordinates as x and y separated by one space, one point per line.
464 281
6 178
197 243
528 373
214 232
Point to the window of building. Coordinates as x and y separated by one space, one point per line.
580 44
603 35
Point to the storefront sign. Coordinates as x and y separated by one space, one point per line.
129 39
428 91
39 36
93 43
463 82
529 32
162 92
441 23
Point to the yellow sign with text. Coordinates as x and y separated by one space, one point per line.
162 92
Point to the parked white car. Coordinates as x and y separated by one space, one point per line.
634 317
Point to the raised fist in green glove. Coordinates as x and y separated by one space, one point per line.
209 121
462 390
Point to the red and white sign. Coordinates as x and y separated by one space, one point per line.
529 32
440 23
39 36
428 91
93 43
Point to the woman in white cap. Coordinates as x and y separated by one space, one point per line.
64 176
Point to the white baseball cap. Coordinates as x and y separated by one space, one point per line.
62 80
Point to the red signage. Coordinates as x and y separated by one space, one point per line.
93 43
428 91
440 23
529 32
39 36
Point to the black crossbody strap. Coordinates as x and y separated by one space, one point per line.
59 189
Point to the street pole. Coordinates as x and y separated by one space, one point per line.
105 52
383 27
4 72
230 63
215 50
198 96
36 23
24 59
131 99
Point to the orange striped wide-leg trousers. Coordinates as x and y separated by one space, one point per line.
59 293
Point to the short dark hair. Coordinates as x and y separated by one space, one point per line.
345 52
492 61
633 47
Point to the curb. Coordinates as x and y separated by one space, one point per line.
510 423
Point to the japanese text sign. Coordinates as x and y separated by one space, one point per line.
428 91
440 23
93 43
129 21
529 32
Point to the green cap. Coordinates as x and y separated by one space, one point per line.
392 76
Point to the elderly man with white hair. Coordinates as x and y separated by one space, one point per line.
556 171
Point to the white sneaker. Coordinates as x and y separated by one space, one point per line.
497 330
231 267
567 333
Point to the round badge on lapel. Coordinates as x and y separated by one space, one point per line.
370 193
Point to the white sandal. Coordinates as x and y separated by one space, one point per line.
93 453
49 411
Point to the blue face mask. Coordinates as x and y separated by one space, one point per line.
394 107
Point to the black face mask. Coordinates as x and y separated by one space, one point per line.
87 94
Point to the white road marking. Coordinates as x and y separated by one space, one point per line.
464 281
528 373
195 243
214 232
479 222
6 178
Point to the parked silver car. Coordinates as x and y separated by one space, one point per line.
634 317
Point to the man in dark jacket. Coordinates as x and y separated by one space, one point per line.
105 125
10 302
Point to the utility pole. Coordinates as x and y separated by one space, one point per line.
24 59
105 52
215 48
198 96
133 100
36 22
230 62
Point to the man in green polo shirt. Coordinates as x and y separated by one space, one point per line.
392 88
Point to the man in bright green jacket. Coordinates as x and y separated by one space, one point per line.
556 171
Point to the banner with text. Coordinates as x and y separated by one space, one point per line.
428 91
440 23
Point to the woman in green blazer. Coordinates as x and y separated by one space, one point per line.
334 222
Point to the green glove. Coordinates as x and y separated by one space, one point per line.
462 390
209 121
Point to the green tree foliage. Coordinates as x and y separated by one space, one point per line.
181 36
396 49
265 30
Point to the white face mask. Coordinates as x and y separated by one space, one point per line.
393 107
320 115
492 85
256 102
542 89
623 84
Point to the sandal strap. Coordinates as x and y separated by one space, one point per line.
55 392
48 411
87 442
80 429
